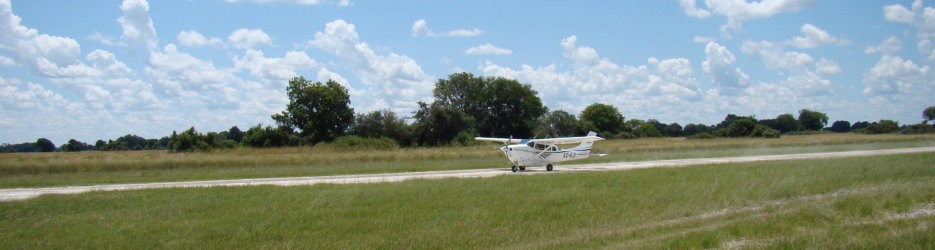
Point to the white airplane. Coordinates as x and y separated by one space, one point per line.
539 152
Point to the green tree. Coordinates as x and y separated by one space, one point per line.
235 134
929 114
382 123
741 127
499 106
647 130
840 126
673 130
321 112
267 137
604 118
695 128
882 127
812 120
557 123
439 125
784 123
45 145
74 146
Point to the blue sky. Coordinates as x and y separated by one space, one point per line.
93 70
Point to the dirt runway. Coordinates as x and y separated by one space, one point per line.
27 193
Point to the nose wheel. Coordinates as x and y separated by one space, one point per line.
548 167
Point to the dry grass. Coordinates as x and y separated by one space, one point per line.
81 168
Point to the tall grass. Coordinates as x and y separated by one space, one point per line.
836 203
82 168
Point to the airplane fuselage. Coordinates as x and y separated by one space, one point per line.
537 155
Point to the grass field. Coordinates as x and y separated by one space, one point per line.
83 168
861 202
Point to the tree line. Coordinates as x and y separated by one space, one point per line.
465 106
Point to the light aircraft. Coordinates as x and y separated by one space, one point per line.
539 152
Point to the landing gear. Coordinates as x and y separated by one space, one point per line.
521 168
514 168
548 167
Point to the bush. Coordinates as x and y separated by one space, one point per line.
702 135
764 131
921 128
357 142
882 127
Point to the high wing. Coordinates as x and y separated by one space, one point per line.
501 140
568 140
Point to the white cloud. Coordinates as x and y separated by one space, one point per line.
487 49
579 54
702 39
719 64
690 9
388 77
666 87
6 61
137 25
191 38
893 75
275 69
248 38
193 81
922 18
774 56
813 37
420 28
106 40
28 46
889 46
738 11
15 95
898 13
809 84
827 66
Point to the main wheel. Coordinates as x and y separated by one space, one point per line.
514 168
522 168
548 167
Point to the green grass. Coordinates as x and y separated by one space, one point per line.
84 168
861 202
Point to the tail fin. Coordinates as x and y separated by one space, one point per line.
586 146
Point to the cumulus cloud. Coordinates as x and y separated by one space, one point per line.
579 54
194 81
827 66
6 61
892 74
191 38
387 76
922 18
665 86
899 13
30 96
274 69
813 37
719 64
248 38
420 28
487 49
690 9
137 25
29 46
889 46
737 11
774 56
